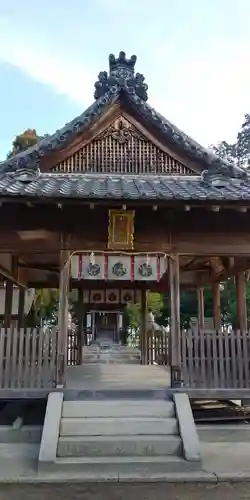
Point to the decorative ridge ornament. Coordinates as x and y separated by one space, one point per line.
25 175
121 77
121 62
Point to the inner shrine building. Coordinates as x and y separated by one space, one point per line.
117 203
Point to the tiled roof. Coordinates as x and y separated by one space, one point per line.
129 88
122 187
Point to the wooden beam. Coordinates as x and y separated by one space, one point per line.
174 285
12 276
40 267
143 326
63 314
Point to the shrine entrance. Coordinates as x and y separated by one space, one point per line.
105 283
105 326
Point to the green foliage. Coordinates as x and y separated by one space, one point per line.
159 303
243 143
239 152
46 302
24 141
225 150
45 307
188 307
155 303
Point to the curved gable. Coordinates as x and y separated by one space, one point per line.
122 148
122 85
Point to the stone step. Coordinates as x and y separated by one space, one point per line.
117 466
118 408
105 360
114 426
117 349
117 355
110 446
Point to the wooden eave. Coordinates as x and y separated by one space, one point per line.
50 160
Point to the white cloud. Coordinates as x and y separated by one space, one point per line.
40 63
204 89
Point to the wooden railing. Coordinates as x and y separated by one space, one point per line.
157 347
28 358
74 347
215 360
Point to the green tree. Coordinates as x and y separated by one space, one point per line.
24 141
46 304
238 153
154 302
225 150
243 143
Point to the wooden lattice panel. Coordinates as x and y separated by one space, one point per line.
122 149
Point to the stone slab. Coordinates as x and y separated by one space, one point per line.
50 434
187 428
117 408
140 466
116 426
237 433
110 446
111 394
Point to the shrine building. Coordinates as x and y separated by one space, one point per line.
117 203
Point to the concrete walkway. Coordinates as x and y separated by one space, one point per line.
98 376
221 462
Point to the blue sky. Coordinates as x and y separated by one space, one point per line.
195 55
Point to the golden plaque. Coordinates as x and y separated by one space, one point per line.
121 230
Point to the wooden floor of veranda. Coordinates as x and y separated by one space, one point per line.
111 376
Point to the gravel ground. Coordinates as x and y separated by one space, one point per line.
150 491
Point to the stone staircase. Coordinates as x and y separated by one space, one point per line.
110 353
117 437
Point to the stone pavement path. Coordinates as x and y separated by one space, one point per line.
117 376
221 461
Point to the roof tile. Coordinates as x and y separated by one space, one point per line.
81 186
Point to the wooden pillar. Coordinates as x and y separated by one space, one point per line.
241 301
80 318
143 327
174 285
63 316
93 325
240 285
21 304
200 303
8 303
216 306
